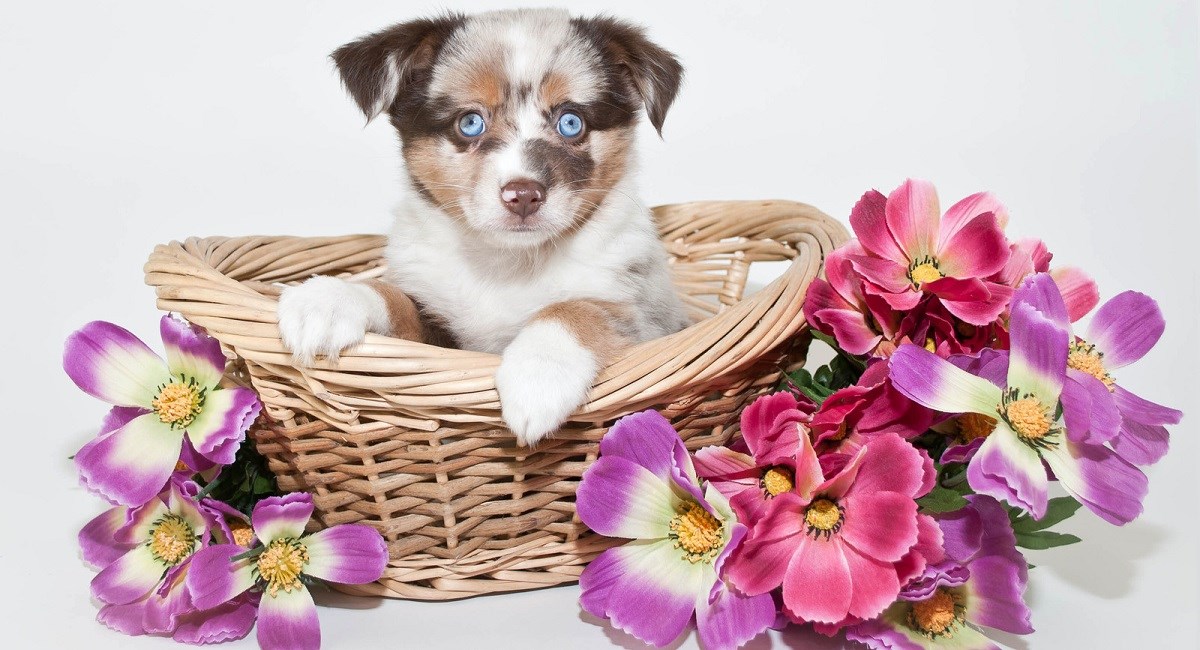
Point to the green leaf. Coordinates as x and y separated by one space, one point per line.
941 499
1044 539
1057 510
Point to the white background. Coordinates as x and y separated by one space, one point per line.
123 126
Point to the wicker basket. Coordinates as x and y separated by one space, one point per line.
408 438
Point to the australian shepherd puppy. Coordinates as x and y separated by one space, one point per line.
521 233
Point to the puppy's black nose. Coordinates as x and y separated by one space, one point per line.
523 197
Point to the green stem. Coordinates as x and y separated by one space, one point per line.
207 489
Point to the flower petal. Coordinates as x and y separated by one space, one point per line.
880 525
935 383
1107 484
1089 411
967 210
191 352
1079 291
1141 444
818 585
129 578
874 582
646 438
761 562
126 619
214 578
227 622
131 465
1142 410
282 517
974 301
97 539
848 328
221 425
913 217
764 430
651 589
288 621
892 465
1038 362
977 250
619 498
732 619
996 589
348 554
110 363
869 222
717 462
1126 327
1009 470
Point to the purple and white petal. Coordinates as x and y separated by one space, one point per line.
97 539
996 594
129 578
131 465
1107 484
168 602
1143 410
619 498
221 425
1089 410
110 363
227 622
282 517
1009 470
191 353
214 578
1126 327
288 621
348 554
646 438
1141 444
649 589
1038 361
731 619
935 383
126 619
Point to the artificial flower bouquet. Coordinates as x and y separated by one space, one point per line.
882 497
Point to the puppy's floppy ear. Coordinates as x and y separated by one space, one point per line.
378 67
654 72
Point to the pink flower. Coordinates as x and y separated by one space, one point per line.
860 322
910 250
838 546
852 416
1030 256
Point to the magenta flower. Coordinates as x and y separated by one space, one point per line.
144 554
645 489
835 545
851 416
979 586
911 250
1029 428
287 616
163 410
1030 256
838 306
1122 331
771 426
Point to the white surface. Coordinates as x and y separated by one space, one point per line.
128 125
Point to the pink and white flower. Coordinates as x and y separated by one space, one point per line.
162 412
644 488
1028 412
279 567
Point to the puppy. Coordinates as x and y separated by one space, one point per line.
521 233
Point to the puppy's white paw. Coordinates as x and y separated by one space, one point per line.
544 375
326 315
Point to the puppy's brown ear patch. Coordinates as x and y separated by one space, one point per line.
378 67
655 73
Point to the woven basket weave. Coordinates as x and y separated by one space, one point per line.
407 437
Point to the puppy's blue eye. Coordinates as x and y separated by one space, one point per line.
569 125
471 125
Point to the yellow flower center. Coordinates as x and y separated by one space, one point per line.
777 480
177 404
937 615
824 517
924 271
281 564
697 532
1029 418
242 533
930 344
841 432
1087 358
972 426
171 540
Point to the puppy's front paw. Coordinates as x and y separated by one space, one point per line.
326 315
544 375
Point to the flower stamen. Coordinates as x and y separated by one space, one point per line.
973 426
824 517
777 480
697 532
171 539
1086 358
924 270
242 533
178 403
939 615
281 564
1030 419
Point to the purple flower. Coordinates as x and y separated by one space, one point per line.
980 585
1123 330
1031 432
287 616
144 554
645 489
163 411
